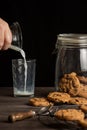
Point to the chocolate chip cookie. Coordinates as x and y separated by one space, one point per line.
78 100
39 101
83 123
82 79
69 114
58 97
69 83
83 108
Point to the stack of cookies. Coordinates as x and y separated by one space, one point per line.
73 84
72 89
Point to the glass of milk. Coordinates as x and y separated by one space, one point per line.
23 72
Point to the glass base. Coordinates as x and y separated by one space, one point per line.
17 95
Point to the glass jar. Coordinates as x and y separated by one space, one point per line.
17 39
71 56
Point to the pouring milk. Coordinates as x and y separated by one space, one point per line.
25 63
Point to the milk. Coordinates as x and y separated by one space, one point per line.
25 65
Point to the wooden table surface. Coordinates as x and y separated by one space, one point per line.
10 104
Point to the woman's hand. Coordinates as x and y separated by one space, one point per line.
5 35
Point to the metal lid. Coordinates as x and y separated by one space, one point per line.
71 39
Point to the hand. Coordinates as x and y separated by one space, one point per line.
5 35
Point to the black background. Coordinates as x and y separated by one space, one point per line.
41 22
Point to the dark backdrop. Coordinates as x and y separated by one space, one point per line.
40 21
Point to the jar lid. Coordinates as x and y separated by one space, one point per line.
72 39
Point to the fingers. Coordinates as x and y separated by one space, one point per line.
1 35
5 35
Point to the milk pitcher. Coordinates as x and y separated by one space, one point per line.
17 38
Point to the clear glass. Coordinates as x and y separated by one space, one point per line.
71 56
17 39
18 71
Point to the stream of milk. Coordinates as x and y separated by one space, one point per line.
25 63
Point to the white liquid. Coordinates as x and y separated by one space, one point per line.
25 62
25 65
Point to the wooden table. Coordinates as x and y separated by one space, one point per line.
10 104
